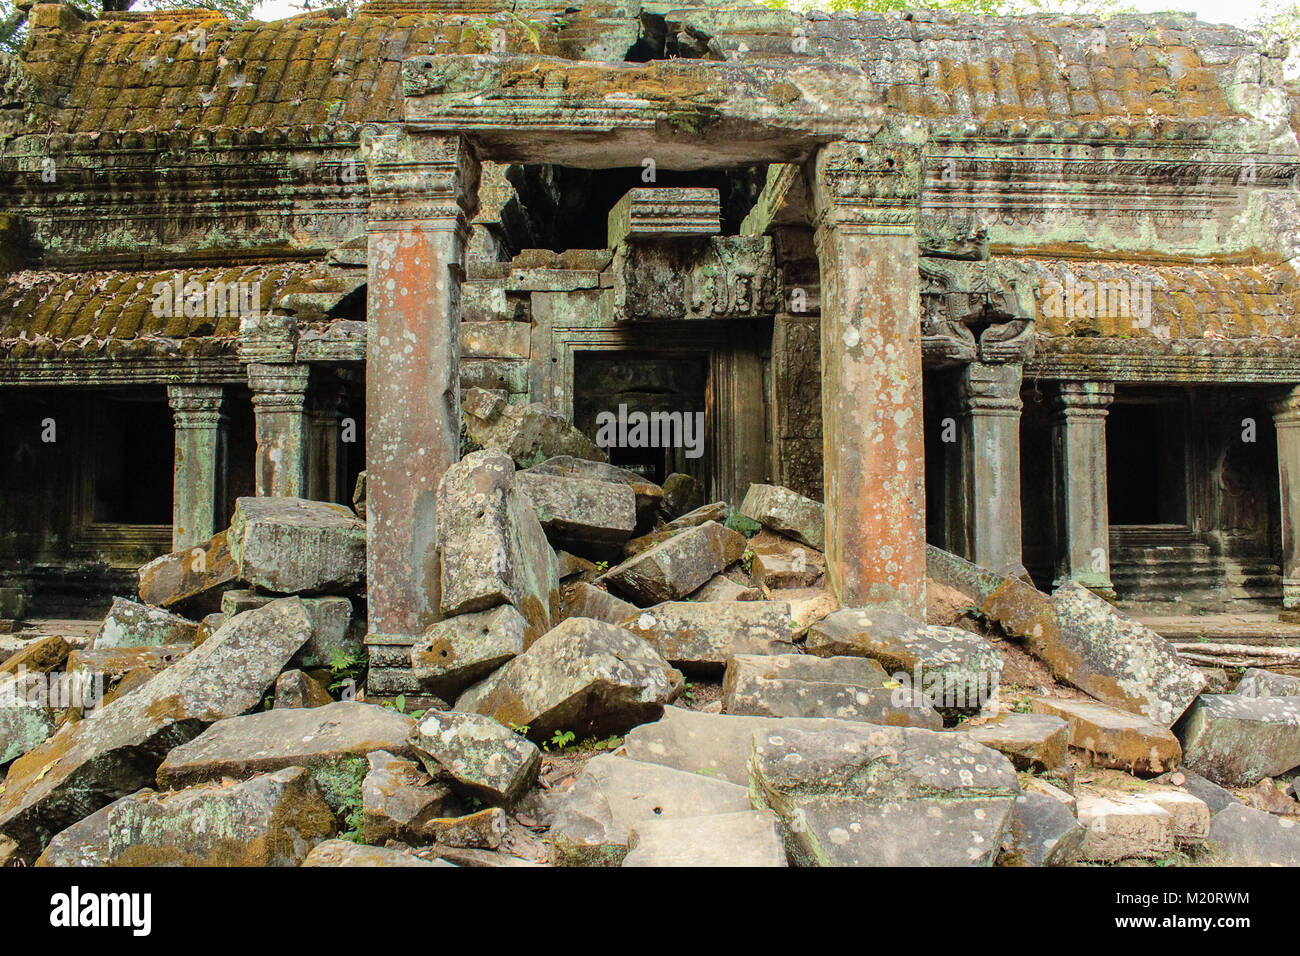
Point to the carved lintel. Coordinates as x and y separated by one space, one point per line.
975 311
953 236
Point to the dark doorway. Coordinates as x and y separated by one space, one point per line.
1146 462
667 395
134 452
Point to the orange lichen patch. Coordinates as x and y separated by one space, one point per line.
1120 299
91 310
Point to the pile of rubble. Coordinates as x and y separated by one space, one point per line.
626 675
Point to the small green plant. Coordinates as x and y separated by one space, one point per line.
747 560
560 739
602 566
688 692
520 729
353 820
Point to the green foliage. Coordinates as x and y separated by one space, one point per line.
560 739
742 523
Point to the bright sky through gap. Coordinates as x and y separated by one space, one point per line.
1242 13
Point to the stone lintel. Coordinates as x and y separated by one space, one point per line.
665 213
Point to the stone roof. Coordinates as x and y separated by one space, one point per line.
195 69
132 314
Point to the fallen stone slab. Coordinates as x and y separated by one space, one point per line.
1082 639
844 688
399 800
294 689
485 759
93 762
585 676
717 511
271 820
587 600
648 494
1243 836
944 604
955 669
572 566
190 574
613 794
1208 792
1191 815
105 666
39 656
862 795
1257 682
458 651
1032 742
297 546
673 569
722 588
743 838
1043 832
701 637
1122 826
1236 741
24 724
484 830
334 631
529 434
580 514
347 853
331 742
1114 738
493 548
782 565
787 513
131 624
682 494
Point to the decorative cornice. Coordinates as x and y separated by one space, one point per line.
867 187
432 180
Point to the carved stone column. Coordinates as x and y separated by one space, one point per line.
199 470
1079 464
423 193
279 397
990 397
865 202
1286 416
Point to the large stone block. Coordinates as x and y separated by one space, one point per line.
486 759
648 494
1236 741
587 600
1124 826
592 827
955 669
1256 682
703 636
743 838
862 795
785 512
346 853
399 800
664 213
580 514
673 569
844 688
93 762
191 573
271 820
292 545
493 548
585 676
331 742
1114 738
1032 742
130 624
1043 832
458 651
24 724
528 434
1244 836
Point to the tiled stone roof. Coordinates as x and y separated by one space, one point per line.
146 71
48 314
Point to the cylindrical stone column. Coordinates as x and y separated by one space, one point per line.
991 450
279 398
1079 464
197 471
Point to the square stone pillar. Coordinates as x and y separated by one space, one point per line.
990 395
199 471
1286 416
1079 466
279 399
423 193
865 204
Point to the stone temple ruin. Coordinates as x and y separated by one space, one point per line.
649 339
